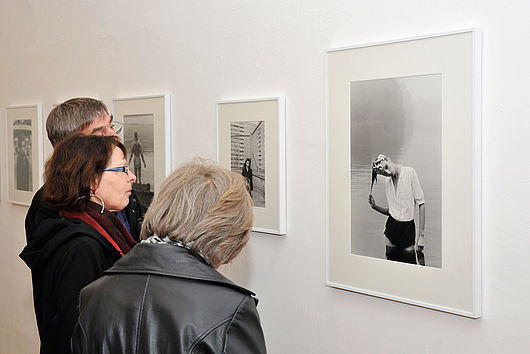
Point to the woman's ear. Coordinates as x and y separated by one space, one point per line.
94 187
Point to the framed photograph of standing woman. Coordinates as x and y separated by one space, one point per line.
144 128
251 141
24 152
403 117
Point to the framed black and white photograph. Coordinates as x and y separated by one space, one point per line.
251 141
403 179
144 124
24 152
405 132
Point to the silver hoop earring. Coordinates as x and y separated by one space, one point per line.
101 200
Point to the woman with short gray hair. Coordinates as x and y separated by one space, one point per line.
166 296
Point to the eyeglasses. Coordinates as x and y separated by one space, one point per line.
117 127
124 169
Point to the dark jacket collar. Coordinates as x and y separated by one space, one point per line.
38 212
53 233
169 260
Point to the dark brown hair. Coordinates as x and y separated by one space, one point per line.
72 116
77 164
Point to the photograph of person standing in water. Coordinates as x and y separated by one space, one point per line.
138 138
396 134
403 193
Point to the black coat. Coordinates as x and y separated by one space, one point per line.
248 175
162 299
135 212
59 249
64 256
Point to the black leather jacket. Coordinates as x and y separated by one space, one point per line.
162 299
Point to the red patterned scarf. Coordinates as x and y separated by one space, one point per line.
106 223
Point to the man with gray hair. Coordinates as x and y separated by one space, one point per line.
91 117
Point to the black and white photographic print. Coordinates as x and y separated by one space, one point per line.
251 142
146 134
24 152
396 169
247 156
403 172
138 138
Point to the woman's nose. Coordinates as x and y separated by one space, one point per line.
132 176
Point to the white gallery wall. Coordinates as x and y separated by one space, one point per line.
202 52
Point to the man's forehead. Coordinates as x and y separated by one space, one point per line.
102 119
98 124
103 116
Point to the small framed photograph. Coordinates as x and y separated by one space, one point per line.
144 124
24 152
251 141
404 171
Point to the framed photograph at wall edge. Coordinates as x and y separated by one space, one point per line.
404 171
24 152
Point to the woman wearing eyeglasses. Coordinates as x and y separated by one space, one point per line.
86 179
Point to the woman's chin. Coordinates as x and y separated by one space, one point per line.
116 208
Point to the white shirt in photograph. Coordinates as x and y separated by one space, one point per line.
403 198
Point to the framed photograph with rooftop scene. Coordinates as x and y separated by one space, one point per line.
251 141
24 152
144 128
403 171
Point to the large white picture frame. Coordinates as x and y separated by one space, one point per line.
448 66
146 133
253 132
24 152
